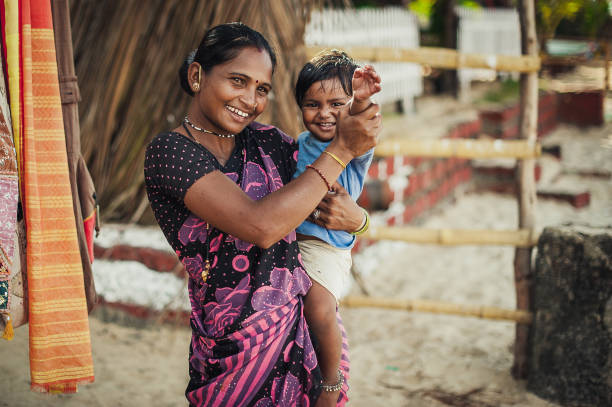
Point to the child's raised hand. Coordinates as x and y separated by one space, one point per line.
366 82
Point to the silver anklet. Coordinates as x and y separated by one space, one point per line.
334 387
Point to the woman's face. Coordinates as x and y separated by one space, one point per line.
320 107
234 93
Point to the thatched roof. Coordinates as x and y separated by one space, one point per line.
127 54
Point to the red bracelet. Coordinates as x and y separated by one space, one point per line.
312 167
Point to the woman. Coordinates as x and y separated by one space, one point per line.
219 187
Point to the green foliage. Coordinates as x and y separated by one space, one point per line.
593 17
439 9
369 3
422 8
507 91
469 4
365 3
551 12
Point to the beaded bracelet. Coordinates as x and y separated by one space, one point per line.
364 227
334 387
312 167
335 157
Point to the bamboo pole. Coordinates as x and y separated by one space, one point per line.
437 307
458 148
526 185
454 237
437 58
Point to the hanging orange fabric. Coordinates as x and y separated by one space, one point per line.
60 348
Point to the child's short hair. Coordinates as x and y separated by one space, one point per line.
326 65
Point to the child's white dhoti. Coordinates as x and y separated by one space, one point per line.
327 265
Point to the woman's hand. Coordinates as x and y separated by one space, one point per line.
356 134
338 211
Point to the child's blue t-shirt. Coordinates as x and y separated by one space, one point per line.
352 179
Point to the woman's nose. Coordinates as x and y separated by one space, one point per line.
249 99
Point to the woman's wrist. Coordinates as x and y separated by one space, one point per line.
345 155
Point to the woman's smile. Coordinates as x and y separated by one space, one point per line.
234 93
237 111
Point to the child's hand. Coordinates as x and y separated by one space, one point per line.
366 82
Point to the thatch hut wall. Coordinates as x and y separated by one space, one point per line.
127 54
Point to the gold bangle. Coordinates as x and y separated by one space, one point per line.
335 157
365 226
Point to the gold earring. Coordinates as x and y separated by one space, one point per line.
196 85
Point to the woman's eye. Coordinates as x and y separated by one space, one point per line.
263 90
238 81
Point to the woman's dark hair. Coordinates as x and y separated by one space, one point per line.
223 43
326 65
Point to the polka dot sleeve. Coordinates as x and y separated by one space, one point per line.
290 155
173 164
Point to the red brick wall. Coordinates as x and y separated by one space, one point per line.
404 188
503 122
581 108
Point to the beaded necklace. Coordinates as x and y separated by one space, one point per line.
193 126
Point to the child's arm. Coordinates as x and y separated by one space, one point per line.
366 82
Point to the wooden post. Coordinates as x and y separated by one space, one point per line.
606 46
526 185
449 77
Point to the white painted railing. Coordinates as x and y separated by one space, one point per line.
486 31
382 27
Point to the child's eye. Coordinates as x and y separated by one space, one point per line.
338 104
310 104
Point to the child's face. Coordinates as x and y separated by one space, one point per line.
320 107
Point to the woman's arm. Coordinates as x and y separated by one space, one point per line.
219 201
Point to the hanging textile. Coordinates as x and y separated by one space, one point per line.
60 348
83 190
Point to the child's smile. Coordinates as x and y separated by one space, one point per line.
320 107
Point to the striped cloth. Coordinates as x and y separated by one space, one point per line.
8 213
60 348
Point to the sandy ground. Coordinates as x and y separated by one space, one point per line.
398 358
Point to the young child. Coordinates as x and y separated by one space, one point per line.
324 86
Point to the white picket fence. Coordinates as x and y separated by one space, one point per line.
486 31
382 27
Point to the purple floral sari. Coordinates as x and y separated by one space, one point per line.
250 344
